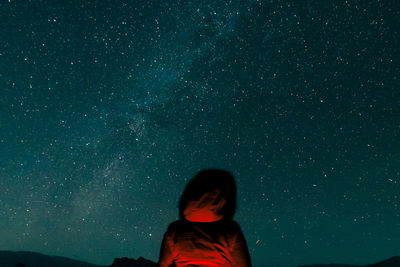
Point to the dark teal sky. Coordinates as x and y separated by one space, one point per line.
107 109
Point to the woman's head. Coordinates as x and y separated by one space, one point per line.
209 196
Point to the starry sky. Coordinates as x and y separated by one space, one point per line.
107 108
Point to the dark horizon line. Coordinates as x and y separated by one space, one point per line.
256 265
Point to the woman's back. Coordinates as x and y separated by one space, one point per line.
206 235
218 243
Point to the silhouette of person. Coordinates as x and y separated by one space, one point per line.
205 234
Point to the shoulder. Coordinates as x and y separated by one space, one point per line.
176 225
232 226
235 225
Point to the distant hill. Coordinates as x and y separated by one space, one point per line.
392 262
126 262
32 259
331 265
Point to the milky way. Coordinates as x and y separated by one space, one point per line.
107 109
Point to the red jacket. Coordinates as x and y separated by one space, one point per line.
206 235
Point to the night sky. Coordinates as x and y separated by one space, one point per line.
108 108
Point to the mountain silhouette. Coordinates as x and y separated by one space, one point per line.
331 265
392 262
33 259
127 262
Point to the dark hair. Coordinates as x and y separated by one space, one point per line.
207 181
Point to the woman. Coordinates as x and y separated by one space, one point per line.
206 234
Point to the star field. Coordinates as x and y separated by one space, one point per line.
108 109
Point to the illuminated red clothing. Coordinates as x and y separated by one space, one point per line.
206 235
204 244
